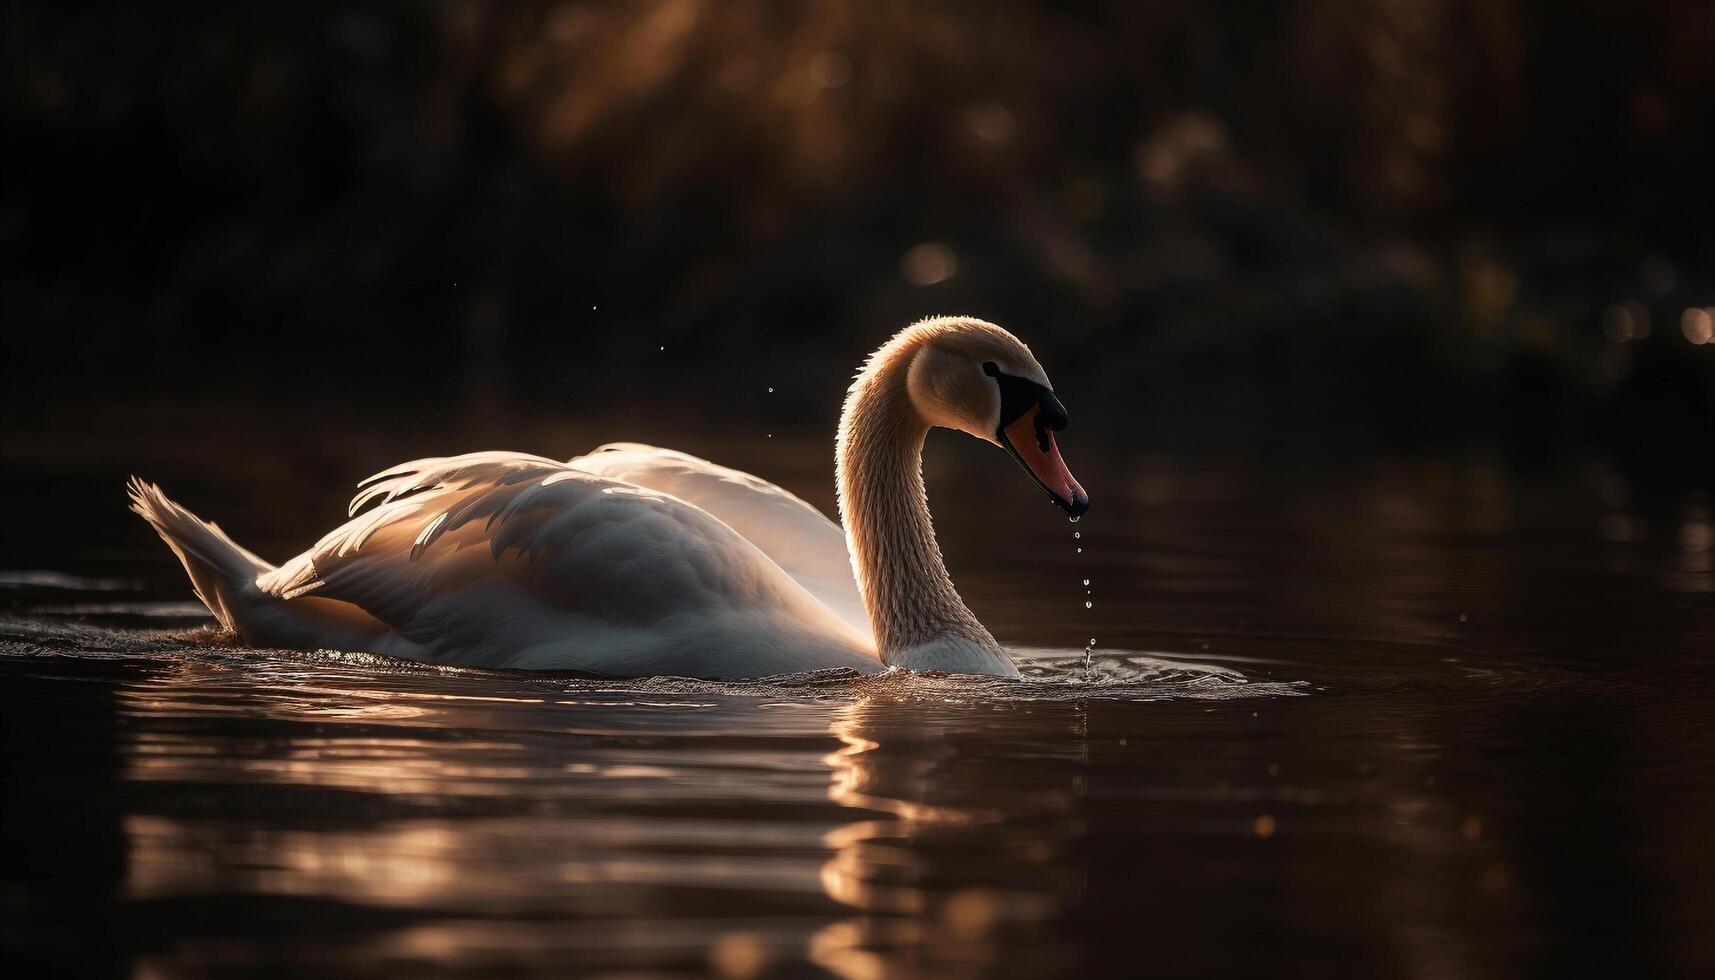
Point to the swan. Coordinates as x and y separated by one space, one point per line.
635 560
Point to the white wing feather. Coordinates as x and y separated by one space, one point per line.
807 545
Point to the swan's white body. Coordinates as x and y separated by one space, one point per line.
631 560
502 559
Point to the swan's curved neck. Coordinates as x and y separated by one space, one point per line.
917 616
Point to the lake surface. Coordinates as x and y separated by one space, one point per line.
1424 717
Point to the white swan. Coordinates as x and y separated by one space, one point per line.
634 560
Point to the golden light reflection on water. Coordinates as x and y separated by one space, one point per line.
394 767
896 869
494 863
630 832
586 818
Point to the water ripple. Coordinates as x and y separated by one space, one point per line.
1048 674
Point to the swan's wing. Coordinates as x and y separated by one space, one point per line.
492 555
811 548
420 501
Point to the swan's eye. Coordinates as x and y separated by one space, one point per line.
990 369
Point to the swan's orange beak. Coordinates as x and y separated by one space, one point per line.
1031 441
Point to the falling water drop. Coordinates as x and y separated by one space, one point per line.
771 391
1074 519
1089 648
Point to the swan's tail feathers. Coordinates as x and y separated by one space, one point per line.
223 574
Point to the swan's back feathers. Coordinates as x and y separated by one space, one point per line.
451 490
494 467
454 545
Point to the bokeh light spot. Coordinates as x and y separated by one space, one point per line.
830 69
1697 325
1617 323
928 264
991 122
738 955
971 913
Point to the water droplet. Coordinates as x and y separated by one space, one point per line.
1086 581
771 391
1092 641
663 346
1080 551
1074 520
1088 604
1077 534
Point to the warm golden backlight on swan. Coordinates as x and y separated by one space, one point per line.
635 560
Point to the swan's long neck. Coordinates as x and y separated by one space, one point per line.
917 616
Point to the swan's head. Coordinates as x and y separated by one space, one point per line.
976 377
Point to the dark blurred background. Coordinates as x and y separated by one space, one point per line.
428 224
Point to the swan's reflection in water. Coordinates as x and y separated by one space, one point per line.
454 827
384 813
478 825
966 860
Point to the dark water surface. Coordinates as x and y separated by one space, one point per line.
1412 717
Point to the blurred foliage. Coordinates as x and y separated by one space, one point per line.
1410 211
